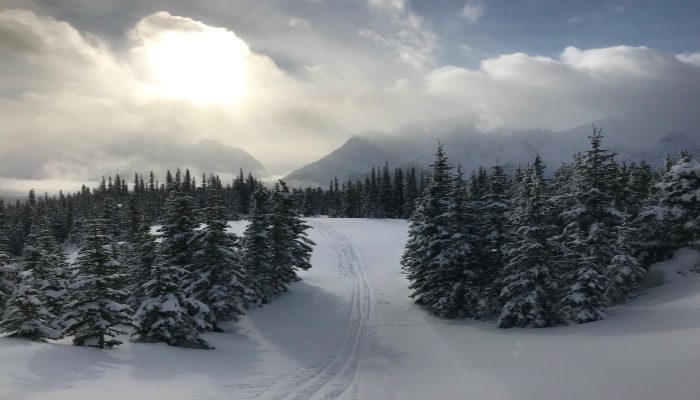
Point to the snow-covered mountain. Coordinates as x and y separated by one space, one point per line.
469 142
212 156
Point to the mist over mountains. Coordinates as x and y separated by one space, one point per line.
472 143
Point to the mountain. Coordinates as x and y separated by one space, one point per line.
206 156
471 143
212 156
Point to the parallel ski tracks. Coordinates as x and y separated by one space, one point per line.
331 379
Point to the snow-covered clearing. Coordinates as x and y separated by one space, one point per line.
349 331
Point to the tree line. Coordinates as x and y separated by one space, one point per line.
166 287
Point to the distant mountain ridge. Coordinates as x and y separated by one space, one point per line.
466 143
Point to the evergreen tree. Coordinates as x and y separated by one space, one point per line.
222 285
435 256
45 259
588 238
624 274
140 253
7 262
492 213
290 248
411 193
25 315
386 196
96 310
530 279
257 252
168 313
466 255
398 195
679 192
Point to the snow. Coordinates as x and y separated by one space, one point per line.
684 262
349 331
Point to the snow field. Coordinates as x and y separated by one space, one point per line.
349 331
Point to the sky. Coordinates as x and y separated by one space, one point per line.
93 87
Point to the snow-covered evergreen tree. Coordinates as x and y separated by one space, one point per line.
257 251
222 281
492 237
465 272
8 266
679 192
44 258
530 277
139 253
26 315
588 239
96 309
429 237
168 313
624 274
290 247
438 255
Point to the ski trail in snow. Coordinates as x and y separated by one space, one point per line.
333 378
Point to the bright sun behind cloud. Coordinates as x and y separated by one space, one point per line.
206 65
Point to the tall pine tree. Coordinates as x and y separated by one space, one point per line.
96 306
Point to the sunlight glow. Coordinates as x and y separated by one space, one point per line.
207 66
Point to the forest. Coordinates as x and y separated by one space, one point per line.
527 249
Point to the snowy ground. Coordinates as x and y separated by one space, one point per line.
349 331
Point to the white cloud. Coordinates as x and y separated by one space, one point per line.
410 36
690 58
523 91
299 23
473 10
73 108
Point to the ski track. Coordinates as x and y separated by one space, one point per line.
332 378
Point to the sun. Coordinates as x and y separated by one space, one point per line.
204 66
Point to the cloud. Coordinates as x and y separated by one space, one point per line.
75 106
523 91
412 39
690 58
67 100
299 23
473 10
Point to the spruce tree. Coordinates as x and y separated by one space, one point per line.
624 274
291 248
588 239
679 193
44 257
410 193
26 315
96 306
436 257
223 285
8 267
168 313
465 256
530 279
491 213
139 253
257 252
